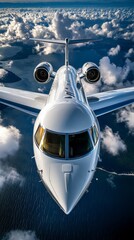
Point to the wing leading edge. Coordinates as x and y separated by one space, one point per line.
106 102
32 102
25 101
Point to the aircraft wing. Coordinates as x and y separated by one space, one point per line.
25 101
106 102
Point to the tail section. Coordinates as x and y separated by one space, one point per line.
66 43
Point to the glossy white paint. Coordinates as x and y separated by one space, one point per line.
66 110
66 179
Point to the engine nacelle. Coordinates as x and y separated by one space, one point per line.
91 72
43 72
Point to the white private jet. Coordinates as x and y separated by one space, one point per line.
66 136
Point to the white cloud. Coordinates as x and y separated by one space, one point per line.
126 115
39 31
112 142
112 74
3 73
106 27
114 51
48 23
9 140
129 53
57 28
109 29
109 72
20 235
9 175
18 28
9 144
129 33
130 65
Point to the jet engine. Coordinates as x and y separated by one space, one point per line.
43 72
91 72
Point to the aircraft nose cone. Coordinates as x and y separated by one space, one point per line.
67 200
67 209
67 183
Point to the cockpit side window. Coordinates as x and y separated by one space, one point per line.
94 134
39 134
53 144
79 144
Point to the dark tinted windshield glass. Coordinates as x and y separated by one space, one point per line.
79 144
54 144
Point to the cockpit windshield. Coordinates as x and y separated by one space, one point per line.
68 146
50 143
79 144
53 144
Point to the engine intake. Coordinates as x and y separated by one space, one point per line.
43 72
91 72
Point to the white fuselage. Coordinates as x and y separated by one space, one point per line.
66 135
68 113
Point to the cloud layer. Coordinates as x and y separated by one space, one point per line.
9 141
9 144
114 51
9 176
20 25
112 74
126 115
20 235
112 142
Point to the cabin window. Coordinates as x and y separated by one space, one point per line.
79 144
39 134
53 144
94 134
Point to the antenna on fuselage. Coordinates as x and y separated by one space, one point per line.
66 43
